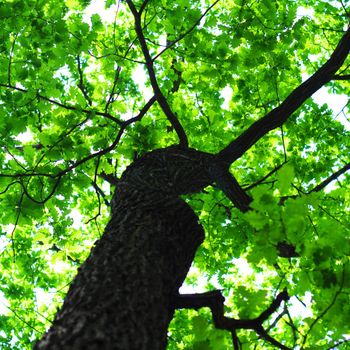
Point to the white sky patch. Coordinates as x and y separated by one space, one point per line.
43 297
25 136
305 12
162 43
59 267
200 285
4 241
98 6
140 78
7 228
297 309
3 304
226 93
77 219
335 102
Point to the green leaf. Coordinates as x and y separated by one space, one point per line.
200 328
285 178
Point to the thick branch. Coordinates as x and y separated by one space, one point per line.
159 95
280 114
342 77
334 176
215 301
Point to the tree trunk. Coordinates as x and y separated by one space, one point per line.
121 296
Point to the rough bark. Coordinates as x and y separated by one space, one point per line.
122 295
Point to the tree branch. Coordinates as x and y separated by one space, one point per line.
10 58
115 82
106 150
143 111
43 201
143 6
270 173
81 84
319 317
68 107
124 125
163 103
334 176
342 77
215 301
280 114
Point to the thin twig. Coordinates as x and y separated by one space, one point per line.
325 310
265 177
43 201
81 84
188 31
15 226
65 106
10 58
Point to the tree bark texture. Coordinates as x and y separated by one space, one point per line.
121 296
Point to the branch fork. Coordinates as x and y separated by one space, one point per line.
215 301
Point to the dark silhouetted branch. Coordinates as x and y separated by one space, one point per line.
215 301
109 178
333 177
342 77
320 186
264 178
115 82
106 150
143 6
280 114
52 192
319 317
163 103
142 112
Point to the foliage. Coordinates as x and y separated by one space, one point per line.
70 82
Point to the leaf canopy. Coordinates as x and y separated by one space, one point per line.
72 78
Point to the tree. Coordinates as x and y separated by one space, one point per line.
164 122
